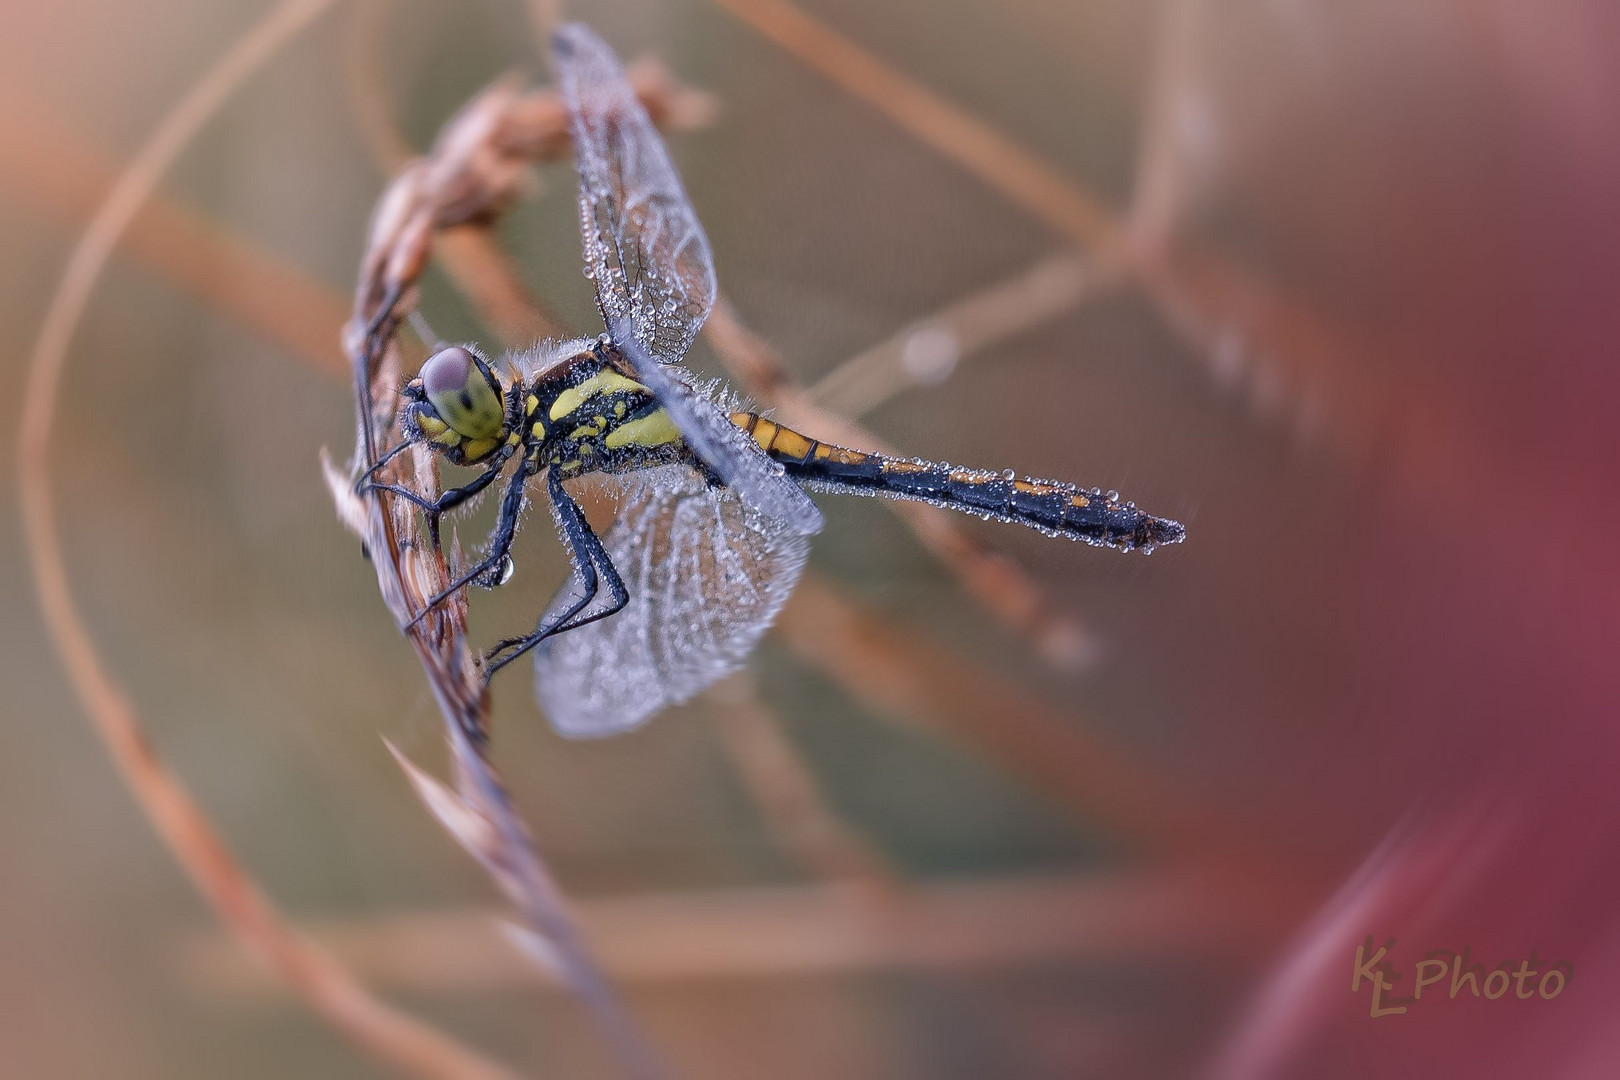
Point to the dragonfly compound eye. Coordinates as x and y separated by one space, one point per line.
463 393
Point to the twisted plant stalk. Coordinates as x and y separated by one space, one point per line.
477 168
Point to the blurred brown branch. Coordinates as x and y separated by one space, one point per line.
1176 914
1219 309
900 672
324 983
932 348
1157 195
49 168
785 789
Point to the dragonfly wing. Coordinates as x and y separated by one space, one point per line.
654 272
726 449
707 574
644 246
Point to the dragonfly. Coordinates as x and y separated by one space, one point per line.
714 522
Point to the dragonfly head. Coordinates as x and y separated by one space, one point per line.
455 405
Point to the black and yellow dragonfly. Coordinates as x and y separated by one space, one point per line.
714 523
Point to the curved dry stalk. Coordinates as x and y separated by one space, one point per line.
328 987
477 167
1000 162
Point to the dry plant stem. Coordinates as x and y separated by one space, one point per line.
784 787
977 147
476 168
383 1032
1155 199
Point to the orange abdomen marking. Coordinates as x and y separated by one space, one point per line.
1055 508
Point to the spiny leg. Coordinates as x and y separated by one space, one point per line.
500 539
589 556
362 482
433 509
454 497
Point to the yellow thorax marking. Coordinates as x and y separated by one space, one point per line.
594 426
654 429
603 382
474 449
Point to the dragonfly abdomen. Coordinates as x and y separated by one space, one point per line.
1055 508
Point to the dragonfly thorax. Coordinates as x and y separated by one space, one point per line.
591 414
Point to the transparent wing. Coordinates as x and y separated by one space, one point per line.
644 247
706 574
651 263
725 448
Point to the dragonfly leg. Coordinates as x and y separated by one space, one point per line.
448 500
500 543
452 498
590 556
362 482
